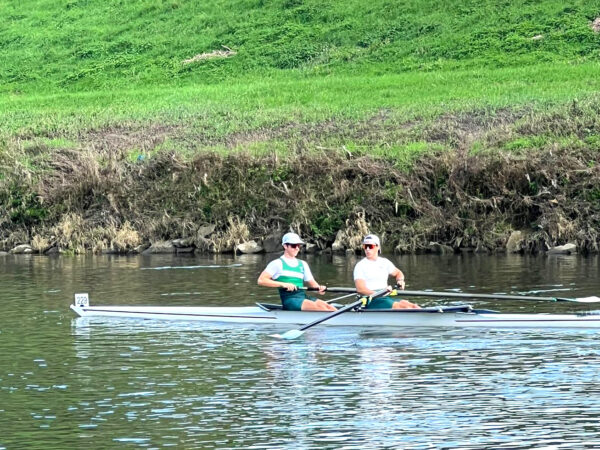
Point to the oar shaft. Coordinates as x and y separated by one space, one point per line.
330 316
331 300
431 294
340 289
332 289
467 295
340 311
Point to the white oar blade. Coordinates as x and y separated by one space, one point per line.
592 299
289 335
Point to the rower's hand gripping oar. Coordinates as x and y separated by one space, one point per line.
293 334
592 299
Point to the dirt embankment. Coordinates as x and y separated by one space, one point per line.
470 195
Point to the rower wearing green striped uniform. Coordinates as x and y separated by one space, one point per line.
289 273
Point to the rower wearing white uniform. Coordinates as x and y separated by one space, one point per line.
371 274
289 273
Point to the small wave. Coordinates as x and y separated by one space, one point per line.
210 266
184 293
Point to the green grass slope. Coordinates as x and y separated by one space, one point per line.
74 65
92 44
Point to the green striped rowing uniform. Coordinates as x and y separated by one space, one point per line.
292 300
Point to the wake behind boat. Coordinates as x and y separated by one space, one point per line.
463 316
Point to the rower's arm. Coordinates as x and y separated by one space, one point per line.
399 277
266 280
313 284
361 287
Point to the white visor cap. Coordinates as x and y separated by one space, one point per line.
291 238
371 239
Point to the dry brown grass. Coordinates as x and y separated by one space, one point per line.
70 233
40 244
356 228
125 238
235 233
15 238
227 53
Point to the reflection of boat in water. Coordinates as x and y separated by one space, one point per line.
463 316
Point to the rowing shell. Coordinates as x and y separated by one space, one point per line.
449 317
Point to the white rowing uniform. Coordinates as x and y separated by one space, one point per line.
374 273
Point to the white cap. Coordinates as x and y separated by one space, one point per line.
371 239
291 238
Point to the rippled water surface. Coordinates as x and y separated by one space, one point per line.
75 383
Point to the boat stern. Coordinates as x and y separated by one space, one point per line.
81 301
77 310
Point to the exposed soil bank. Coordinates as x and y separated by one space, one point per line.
98 198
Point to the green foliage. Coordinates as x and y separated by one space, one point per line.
593 195
534 188
280 173
593 141
325 226
23 206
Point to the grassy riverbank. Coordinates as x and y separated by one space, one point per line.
106 129
256 103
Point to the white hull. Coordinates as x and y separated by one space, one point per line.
387 318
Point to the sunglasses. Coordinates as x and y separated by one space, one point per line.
369 246
294 245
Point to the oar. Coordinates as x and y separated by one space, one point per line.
293 334
593 299
339 298
331 289
351 290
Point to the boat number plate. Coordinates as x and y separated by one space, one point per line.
82 300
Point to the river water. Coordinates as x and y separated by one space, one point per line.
76 383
